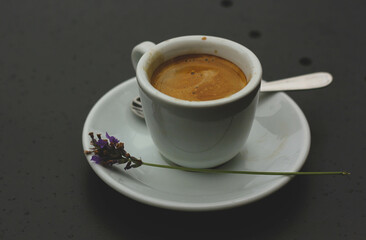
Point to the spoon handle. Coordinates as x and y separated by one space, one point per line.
307 81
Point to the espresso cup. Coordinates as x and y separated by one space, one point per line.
197 134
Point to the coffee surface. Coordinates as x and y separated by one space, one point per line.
198 77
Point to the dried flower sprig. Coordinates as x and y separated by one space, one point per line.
111 151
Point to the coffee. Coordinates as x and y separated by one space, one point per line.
198 77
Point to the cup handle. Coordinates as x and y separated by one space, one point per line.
140 50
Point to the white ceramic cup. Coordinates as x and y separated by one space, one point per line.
197 134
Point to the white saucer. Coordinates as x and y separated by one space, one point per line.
279 141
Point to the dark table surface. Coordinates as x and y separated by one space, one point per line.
57 58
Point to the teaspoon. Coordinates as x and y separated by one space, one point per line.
303 82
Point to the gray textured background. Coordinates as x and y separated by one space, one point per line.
57 58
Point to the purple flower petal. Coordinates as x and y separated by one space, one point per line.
112 139
101 143
96 159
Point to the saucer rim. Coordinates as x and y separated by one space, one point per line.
187 206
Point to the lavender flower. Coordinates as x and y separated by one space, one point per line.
110 152
102 143
96 159
112 139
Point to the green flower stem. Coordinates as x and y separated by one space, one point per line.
242 172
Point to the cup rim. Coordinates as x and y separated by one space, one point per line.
145 85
